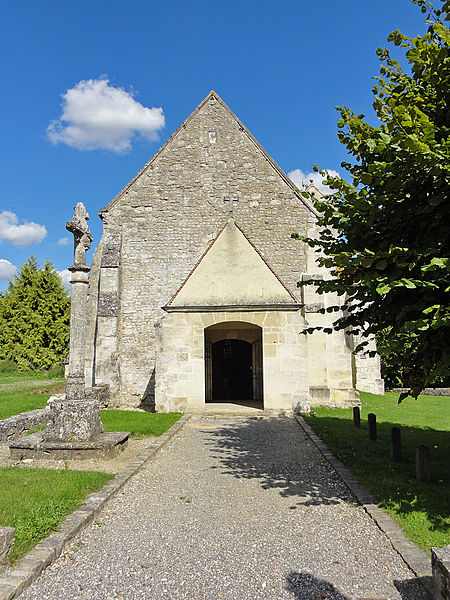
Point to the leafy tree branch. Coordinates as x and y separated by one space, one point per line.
385 236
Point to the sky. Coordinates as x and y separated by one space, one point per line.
91 89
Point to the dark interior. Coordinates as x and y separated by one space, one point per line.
231 371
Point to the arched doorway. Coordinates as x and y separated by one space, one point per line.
233 363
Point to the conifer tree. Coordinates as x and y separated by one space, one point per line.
35 318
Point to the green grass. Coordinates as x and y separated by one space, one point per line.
35 501
16 397
421 509
139 424
21 376
36 429
16 392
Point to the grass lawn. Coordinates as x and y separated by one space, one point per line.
16 396
16 392
35 501
139 424
421 509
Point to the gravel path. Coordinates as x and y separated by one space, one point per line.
234 509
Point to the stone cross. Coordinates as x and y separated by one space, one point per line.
82 236
76 418
79 283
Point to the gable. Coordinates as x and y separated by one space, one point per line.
174 207
232 273
210 134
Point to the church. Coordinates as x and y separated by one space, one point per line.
193 296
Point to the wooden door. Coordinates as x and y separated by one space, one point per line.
208 371
257 368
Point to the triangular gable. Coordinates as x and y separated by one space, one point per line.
232 273
245 131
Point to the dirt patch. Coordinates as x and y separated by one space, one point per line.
56 389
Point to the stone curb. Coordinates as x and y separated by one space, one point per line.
414 558
29 567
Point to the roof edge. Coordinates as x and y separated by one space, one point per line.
195 266
233 308
157 153
267 264
266 155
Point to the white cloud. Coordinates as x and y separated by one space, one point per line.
63 241
7 269
65 275
20 235
298 178
96 115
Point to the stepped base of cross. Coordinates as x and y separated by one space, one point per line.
74 432
35 446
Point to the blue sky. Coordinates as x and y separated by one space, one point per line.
91 89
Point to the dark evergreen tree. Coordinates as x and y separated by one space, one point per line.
35 318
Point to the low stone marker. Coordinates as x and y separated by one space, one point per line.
372 421
396 444
356 417
423 470
6 543
440 563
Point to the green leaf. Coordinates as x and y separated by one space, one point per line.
392 217
383 288
381 264
408 283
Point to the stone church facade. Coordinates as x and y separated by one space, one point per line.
193 295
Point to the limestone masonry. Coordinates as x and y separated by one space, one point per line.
193 293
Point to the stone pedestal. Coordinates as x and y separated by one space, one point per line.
73 420
440 562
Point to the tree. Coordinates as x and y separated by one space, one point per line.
385 236
35 318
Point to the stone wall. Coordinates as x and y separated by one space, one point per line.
16 425
368 375
167 217
425 392
331 362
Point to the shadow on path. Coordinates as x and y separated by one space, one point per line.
414 589
305 586
278 454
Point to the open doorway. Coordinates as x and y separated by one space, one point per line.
233 364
